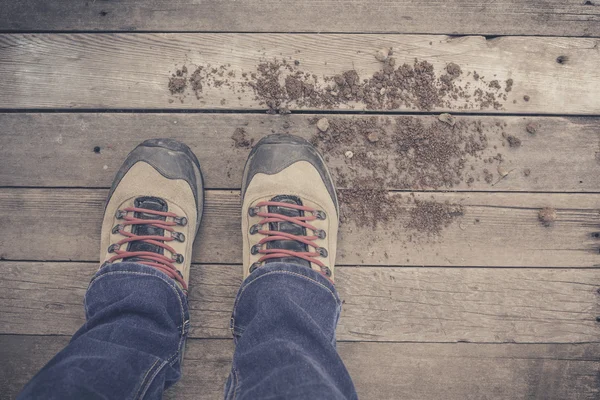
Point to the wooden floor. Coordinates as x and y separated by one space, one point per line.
498 305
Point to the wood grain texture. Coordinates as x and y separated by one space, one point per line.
380 303
497 229
562 155
513 17
412 371
131 71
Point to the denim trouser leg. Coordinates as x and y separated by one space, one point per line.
284 322
137 320
130 346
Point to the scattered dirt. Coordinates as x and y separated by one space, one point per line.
240 140
368 207
547 216
279 84
409 152
430 217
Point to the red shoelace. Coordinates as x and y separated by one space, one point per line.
276 235
158 261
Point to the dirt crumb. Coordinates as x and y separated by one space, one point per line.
531 128
513 141
240 140
547 216
509 85
495 85
323 124
526 98
453 70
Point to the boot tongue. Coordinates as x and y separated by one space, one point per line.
288 227
150 204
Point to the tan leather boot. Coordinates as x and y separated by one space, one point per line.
154 209
289 206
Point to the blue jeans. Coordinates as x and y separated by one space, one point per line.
132 344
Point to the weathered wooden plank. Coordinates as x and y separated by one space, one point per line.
58 142
380 303
495 229
513 17
419 371
132 71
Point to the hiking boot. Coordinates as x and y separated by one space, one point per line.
154 209
289 206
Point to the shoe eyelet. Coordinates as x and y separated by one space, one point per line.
120 214
113 247
178 258
320 214
326 271
255 249
117 228
254 229
322 251
254 267
180 237
320 233
253 211
182 221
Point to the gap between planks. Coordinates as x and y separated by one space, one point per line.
383 304
496 229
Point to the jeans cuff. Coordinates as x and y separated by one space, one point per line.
294 272
139 269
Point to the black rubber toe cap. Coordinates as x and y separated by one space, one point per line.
173 160
274 153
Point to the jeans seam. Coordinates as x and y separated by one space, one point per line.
237 380
180 328
137 395
149 382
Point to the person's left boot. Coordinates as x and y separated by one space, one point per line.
154 209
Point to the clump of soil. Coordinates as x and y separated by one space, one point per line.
513 141
368 207
531 128
240 140
178 81
431 217
196 81
547 216
509 85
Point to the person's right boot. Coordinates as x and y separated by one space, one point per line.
289 206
